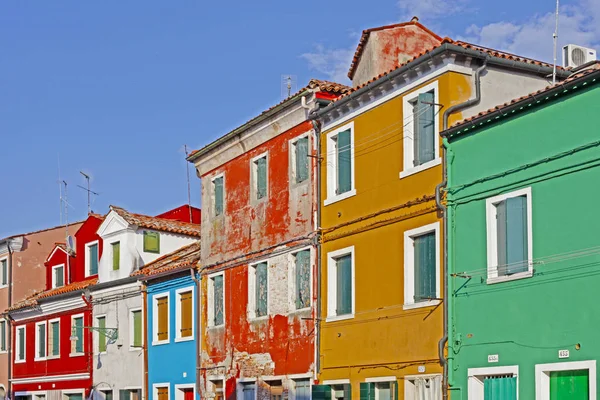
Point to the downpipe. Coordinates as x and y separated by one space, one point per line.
198 328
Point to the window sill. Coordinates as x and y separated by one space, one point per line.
3 351
137 348
76 354
300 310
508 278
184 339
40 359
20 361
259 319
53 357
334 318
339 197
422 167
160 342
3 286
215 327
421 304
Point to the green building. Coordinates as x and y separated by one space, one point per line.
523 212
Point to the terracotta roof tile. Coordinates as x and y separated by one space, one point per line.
159 224
32 301
182 258
29 302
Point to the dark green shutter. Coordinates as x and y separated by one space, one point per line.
93 255
3 335
116 255
424 267
367 391
500 388
124 394
347 391
218 299
218 187
55 338
261 289
41 341
261 177
137 328
101 337
79 333
501 237
301 159
516 232
344 285
424 125
21 334
321 392
344 162
59 276
108 395
151 242
303 279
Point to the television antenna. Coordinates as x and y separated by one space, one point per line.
88 190
555 36
289 85
187 170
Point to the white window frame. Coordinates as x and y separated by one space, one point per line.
332 284
156 386
211 301
333 382
6 328
132 327
54 268
179 392
251 307
292 158
155 298
492 238
73 318
241 382
36 356
331 161
292 284
476 376
409 128
178 293
88 263
4 285
254 178
299 377
48 329
22 328
542 376
409 266
104 391
213 197
409 385
132 388
383 379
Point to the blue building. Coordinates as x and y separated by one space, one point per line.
170 318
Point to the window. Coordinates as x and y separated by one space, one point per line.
421 266
218 195
58 275
131 394
384 389
4 272
341 391
492 383
92 258
106 394
509 236
151 242
135 328
161 391
2 335
73 395
161 319
77 334
217 388
340 164
275 389
40 341
216 300
258 290
247 391
340 284
571 380
54 338
116 255
101 324
301 279
302 389
184 392
20 344
259 177
299 160
185 314
423 387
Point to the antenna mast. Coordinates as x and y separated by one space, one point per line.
88 190
555 44
187 169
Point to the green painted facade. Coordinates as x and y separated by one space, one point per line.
501 329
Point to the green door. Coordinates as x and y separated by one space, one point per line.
569 385
500 388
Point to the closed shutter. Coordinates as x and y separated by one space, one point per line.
424 268
41 341
248 392
303 279
424 125
21 335
101 337
185 300
344 285
512 246
108 395
347 391
218 187
500 388
367 391
124 394
344 162
3 335
151 242
572 385
93 255
162 306
261 177
302 390
218 300
78 322
136 394
55 332
4 266
59 276
261 289
137 328
116 253
321 392
301 159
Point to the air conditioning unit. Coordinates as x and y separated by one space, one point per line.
574 56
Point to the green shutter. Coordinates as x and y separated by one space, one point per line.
218 299
261 177
303 279
321 392
218 188
501 237
116 255
41 341
93 255
137 329
151 242
4 267
3 335
367 391
79 334
55 338
516 234
101 337
21 335
571 385
347 391
108 395
59 276
124 394
261 289
301 159
425 267
500 388
424 126
344 285
344 162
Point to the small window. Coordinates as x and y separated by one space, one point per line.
300 161
260 176
2 335
341 392
302 390
302 279
40 341
219 195
131 394
135 332
116 256
93 259
258 290
217 389
340 290
162 392
3 272
427 387
77 333
73 396
275 389
54 339
421 266
58 276
340 164
101 323
151 242
106 394
20 344
185 314
161 315
248 390
216 301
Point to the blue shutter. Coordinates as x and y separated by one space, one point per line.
500 388
516 235
261 177
424 267
218 187
93 250
301 159
261 289
344 162
424 126
344 285
218 299
303 279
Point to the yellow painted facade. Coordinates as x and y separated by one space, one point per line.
382 339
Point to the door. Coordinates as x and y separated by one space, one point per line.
188 394
500 388
569 385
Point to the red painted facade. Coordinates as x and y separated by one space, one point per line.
182 214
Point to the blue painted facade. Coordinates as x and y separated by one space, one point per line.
173 362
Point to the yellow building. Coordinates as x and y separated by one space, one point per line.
381 232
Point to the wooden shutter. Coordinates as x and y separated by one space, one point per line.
425 267
137 328
3 335
303 279
116 255
321 392
261 289
344 285
501 236
218 300
500 388
261 177
136 394
301 159
344 162
124 394
424 129
367 391
151 242
516 235
218 188
185 304
55 338
21 338
59 276
41 341
4 266
108 394
163 393
162 306
101 337
347 391
572 385
78 323
93 256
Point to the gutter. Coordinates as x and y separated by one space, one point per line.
198 328
145 341
10 320
317 129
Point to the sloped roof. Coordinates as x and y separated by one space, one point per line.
159 224
182 258
33 300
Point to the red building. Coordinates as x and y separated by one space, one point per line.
258 259
52 348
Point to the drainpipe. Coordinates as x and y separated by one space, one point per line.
198 328
89 340
144 290
10 320
442 207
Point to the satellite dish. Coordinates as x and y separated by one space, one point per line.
71 244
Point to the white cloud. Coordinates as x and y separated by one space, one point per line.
333 63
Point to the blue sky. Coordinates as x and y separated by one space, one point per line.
116 88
